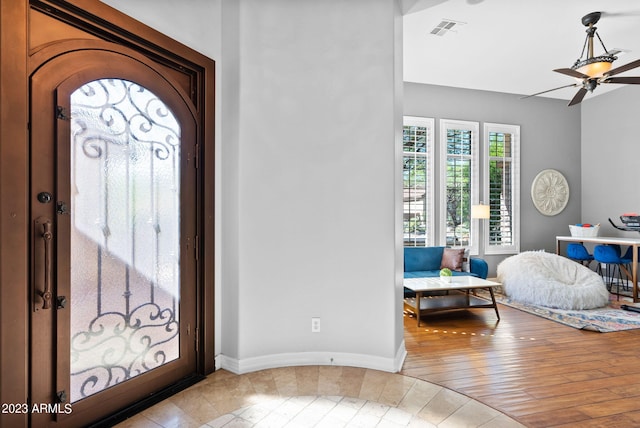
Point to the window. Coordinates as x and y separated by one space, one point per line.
459 182
502 183
460 185
417 171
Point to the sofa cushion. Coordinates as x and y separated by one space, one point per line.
422 258
452 258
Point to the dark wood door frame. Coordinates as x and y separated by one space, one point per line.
18 59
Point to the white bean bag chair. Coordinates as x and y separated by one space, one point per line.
546 279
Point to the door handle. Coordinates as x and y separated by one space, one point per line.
43 263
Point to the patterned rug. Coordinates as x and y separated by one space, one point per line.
603 320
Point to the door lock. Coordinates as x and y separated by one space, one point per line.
45 197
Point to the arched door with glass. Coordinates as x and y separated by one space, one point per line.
114 248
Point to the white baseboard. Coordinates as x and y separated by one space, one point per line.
249 365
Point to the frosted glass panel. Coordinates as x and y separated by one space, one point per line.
125 234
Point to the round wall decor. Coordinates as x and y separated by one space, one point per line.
550 192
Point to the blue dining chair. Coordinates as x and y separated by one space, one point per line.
628 260
579 253
628 255
609 255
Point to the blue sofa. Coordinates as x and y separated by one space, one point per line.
422 262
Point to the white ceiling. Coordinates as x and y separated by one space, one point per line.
512 46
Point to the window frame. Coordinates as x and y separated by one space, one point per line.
474 127
428 123
514 130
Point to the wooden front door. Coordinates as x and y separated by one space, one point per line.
114 292
115 216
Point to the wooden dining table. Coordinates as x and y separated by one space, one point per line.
597 240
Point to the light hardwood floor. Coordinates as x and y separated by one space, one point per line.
541 373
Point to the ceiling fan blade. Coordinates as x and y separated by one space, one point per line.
623 68
571 72
625 80
577 99
549 90
626 14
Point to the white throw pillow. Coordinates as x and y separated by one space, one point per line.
466 262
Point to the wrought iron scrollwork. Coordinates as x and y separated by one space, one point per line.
105 356
128 113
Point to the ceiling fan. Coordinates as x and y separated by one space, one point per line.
594 70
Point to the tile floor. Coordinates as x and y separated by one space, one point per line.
317 396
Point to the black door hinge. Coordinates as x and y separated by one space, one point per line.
62 208
62 113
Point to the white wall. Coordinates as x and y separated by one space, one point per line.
308 141
317 170
611 158
228 310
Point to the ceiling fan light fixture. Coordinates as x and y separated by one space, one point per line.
594 70
595 66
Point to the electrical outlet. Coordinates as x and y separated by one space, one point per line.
315 325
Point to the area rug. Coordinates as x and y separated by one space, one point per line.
604 320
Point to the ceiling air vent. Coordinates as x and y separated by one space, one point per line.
444 27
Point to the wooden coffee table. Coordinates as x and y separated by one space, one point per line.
435 294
